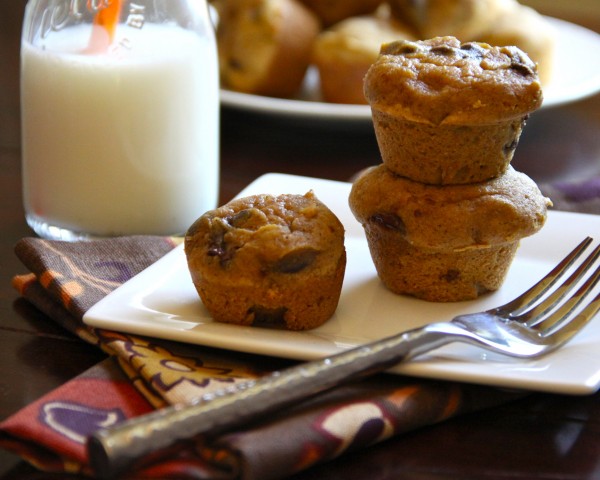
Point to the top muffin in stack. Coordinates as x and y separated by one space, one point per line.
446 112
448 117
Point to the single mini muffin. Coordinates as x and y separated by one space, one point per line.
344 52
264 45
448 113
445 243
268 260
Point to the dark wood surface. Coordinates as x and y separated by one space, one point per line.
542 436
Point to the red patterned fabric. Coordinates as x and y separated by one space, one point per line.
142 374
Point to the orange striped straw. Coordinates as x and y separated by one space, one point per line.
104 27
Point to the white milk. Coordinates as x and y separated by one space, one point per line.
124 142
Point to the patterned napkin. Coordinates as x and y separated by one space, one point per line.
142 374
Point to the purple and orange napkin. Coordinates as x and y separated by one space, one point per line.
142 374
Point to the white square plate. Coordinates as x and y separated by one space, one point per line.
162 302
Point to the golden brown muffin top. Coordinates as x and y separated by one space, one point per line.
441 81
452 217
266 234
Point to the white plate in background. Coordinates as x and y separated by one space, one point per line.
576 75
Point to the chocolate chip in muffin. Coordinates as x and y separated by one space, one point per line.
511 147
218 247
443 50
473 50
450 276
295 261
389 221
522 68
239 218
268 317
248 219
407 48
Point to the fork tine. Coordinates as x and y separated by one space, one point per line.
568 330
536 314
530 296
553 322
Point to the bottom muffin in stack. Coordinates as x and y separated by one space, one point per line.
445 243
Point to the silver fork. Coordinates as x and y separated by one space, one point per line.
537 322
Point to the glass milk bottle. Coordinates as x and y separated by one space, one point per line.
120 116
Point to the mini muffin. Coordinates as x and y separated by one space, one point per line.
268 260
264 45
445 243
464 19
344 52
448 113
333 11
525 28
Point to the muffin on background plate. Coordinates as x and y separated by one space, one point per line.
464 19
333 11
527 29
264 45
344 52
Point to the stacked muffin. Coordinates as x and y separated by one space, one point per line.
445 211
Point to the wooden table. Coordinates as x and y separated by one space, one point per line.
542 436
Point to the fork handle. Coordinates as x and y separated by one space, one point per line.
113 450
